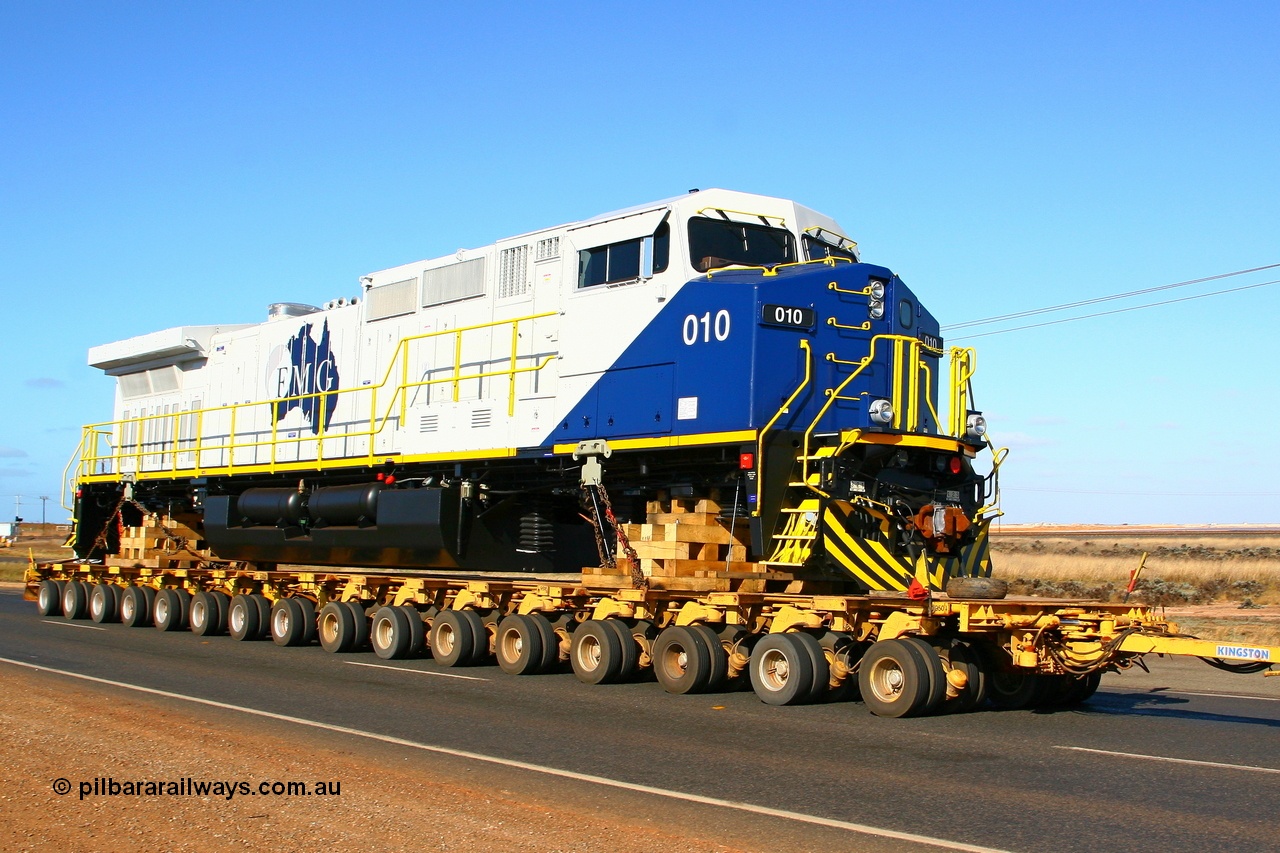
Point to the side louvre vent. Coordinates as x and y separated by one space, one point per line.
392 300
481 418
512 264
453 282
429 423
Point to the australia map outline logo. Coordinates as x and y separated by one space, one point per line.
310 381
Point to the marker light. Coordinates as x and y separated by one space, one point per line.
975 425
956 465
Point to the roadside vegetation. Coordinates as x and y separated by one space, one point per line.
1223 587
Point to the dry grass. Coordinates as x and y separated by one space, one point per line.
44 545
1194 570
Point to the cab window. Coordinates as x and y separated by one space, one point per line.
720 243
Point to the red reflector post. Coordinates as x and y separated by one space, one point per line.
746 461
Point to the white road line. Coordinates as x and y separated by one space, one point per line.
417 671
538 768
1220 695
71 624
1171 760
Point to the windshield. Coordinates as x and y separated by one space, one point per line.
720 243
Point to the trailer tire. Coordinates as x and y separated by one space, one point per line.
288 622
337 627
135 607
893 679
979 588
104 603
630 649
1083 688
595 652
681 660
845 649
204 615
518 645
933 668
975 691
75 600
167 612
550 642
389 633
49 597
1013 690
417 631
455 635
243 618
782 671
718 677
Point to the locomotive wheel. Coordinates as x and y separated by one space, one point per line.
893 679
718 676
243 619
681 660
782 671
550 642
595 651
389 634
518 645
135 606
455 637
975 691
104 603
75 600
417 630
167 613
49 597
288 622
204 615
337 627
933 669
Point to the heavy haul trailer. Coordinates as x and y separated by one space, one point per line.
702 433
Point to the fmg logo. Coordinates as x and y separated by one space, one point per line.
303 374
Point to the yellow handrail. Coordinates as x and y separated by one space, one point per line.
158 445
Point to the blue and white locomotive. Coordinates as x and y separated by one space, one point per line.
714 343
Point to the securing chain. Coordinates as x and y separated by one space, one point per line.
638 580
100 541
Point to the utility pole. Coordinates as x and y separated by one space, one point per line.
43 521
17 507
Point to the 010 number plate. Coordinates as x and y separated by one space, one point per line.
787 315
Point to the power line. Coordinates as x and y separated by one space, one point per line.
1020 314
1117 310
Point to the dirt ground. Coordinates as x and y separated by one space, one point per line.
53 730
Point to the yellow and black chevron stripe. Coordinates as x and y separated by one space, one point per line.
876 566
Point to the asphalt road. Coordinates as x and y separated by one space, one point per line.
1018 781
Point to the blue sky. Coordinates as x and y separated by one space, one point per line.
165 164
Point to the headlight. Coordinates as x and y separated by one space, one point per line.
876 289
975 425
881 412
876 309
